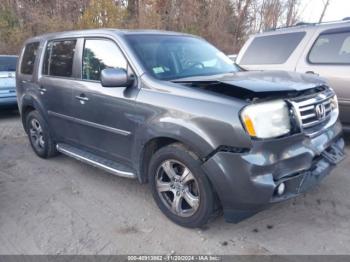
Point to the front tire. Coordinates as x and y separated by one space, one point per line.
39 135
179 186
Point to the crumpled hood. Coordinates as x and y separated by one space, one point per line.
273 81
263 81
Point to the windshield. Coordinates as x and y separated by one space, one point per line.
8 63
173 57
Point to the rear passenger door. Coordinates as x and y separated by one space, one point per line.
55 85
329 57
104 116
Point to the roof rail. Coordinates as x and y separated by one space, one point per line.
302 23
346 19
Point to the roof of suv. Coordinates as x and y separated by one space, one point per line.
309 27
119 32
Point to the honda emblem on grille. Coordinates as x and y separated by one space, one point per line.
320 111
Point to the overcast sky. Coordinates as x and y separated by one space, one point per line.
310 10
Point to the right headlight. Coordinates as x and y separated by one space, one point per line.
334 103
267 119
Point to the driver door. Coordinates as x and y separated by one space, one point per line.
103 115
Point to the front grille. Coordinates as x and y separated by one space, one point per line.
312 111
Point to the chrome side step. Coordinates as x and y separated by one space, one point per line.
96 161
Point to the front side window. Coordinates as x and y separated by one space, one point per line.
59 56
8 63
170 57
331 49
272 49
28 59
100 54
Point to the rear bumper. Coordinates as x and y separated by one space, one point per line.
8 101
246 183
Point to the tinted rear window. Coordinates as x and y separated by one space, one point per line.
28 59
331 49
8 63
272 49
59 57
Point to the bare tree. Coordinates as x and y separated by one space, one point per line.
292 12
226 23
133 7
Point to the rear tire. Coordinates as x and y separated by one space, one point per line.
179 186
39 135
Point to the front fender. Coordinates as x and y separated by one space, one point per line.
165 132
190 135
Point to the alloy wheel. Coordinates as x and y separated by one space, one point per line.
36 134
177 188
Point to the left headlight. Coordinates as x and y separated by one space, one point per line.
267 119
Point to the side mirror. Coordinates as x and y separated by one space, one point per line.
114 77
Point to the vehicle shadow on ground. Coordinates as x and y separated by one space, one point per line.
38 190
8 113
347 138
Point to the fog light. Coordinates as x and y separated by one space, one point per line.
280 189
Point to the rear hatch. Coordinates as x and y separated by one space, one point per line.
7 76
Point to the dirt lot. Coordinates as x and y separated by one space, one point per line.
61 206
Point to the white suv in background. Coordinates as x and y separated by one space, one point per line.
322 49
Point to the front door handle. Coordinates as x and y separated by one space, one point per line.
82 98
42 90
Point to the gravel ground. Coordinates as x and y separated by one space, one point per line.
62 206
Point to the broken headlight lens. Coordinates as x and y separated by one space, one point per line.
267 119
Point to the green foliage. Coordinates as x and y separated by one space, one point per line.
192 29
9 27
8 18
17 26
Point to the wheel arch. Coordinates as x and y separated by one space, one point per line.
155 143
28 105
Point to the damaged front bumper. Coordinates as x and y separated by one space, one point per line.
248 182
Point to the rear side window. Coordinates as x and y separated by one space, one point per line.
59 56
272 49
331 49
100 54
28 59
8 63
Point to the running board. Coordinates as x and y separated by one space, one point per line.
96 161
